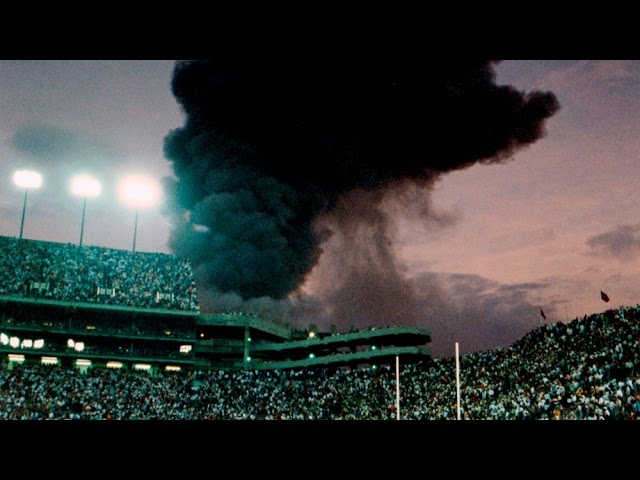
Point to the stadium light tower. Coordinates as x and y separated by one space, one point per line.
85 186
138 191
26 179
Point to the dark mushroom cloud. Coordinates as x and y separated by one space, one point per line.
276 160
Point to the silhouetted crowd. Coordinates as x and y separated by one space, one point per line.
586 369
94 274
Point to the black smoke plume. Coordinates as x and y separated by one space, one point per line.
272 153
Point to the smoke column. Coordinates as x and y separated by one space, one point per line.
277 161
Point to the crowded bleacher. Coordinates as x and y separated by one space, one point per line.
67 272
586 369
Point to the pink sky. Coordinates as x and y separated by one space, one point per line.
529 220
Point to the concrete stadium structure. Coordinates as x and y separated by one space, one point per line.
34 328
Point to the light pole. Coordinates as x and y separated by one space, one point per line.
138 191
135 231
26 179
85 186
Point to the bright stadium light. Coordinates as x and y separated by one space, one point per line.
142 366
14 342
85 186
114 364
38 343
49 360
82 362
27 343
70 343
79 346
26 179
138 191
185 348
16 358
4 339
172 368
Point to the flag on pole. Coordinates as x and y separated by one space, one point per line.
604 296
543 315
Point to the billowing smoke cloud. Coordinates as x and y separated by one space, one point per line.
277 162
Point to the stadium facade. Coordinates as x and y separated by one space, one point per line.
83 306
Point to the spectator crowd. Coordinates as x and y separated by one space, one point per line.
95 274
586 369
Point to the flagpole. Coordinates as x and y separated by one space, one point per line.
397 387
457 381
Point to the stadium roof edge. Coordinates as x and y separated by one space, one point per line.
97 306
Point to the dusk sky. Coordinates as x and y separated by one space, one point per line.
548 228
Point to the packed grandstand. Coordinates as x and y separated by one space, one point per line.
586 369
67 272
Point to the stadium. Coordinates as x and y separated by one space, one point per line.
322 181
96 333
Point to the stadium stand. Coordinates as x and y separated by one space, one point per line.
586 369
66 272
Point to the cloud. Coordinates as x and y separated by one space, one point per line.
475 311
262 159
593 76
621 243
50 147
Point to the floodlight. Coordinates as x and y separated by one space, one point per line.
38 343
138 191
142 366
79 346
27 179
85 186
27 343
4 339
70 343
14 342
